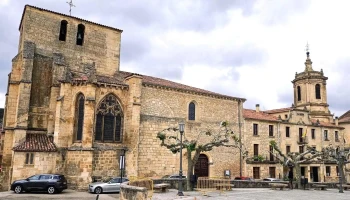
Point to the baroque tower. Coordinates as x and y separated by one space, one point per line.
310 92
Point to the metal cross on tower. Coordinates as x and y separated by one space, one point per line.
70 6
307 47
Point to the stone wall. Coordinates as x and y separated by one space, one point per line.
163 108
105 163
78 169
43 163
101 45
263 140
132 192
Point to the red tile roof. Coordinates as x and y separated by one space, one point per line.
36 143
278 110
345 117
119 78
252 114
326 124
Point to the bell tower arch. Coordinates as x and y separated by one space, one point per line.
310 91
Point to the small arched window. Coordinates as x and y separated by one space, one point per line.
63 30
80 34
191 111
299 93
109 120
318 91
79 117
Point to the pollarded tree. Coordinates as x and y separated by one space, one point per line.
205 140
294 159
339 156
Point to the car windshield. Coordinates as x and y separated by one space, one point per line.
107 180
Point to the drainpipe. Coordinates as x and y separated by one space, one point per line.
240 136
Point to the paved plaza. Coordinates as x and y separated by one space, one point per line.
236 193
260 194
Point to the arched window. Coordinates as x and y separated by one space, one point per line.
109 120
299 93
318 91
80 34
63 30
192 111
79 118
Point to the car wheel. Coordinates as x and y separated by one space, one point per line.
51 190
98 190
18 189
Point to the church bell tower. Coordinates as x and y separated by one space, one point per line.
310 91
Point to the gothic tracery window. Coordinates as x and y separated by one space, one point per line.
318 91
191 111
109 120
79 117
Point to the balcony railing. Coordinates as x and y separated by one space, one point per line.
302 140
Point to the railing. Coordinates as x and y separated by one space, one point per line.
302 140
206 184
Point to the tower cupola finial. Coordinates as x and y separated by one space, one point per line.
308 62
307 50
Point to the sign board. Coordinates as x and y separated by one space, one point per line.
122 162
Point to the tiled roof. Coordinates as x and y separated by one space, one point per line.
325 124
119 78
345 117
36 143
252 114
149 80
278 110
25 7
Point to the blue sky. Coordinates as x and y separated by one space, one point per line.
248 49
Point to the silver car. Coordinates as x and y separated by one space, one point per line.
110 185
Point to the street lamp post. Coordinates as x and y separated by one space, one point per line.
181 129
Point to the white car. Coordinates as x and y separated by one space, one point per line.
110 185
271 179
174 176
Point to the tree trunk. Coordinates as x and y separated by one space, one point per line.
297 175
191 163
189 170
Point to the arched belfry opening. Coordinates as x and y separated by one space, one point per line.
63 30
80 34
201 168
318 91
299 93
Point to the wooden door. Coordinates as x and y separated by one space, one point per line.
202 166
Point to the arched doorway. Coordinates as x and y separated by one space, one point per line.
201 168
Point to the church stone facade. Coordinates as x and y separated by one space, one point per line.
69 109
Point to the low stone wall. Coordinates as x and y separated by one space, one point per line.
265 184
128 192
174 183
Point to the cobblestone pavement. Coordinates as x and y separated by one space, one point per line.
236 194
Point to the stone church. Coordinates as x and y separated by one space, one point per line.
71 110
